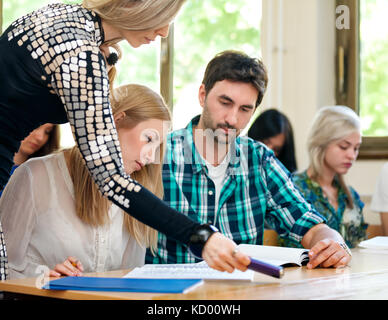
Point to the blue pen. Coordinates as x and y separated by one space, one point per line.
266 268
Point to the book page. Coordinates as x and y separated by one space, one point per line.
375 243
187 271
279 256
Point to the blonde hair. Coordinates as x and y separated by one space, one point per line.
329 125
113 71
135 14
139 104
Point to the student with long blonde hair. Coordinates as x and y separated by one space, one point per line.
333 144
53 69
60 215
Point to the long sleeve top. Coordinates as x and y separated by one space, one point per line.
41 227
51 70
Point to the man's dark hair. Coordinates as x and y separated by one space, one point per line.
236 66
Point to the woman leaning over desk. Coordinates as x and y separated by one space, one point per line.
53 70
52 210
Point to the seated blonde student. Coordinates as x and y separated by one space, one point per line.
333 144
380 198
40 142
53 214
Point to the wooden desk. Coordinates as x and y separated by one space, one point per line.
365 278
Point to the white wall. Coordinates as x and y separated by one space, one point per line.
298 41
298 36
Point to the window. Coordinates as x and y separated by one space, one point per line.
14 9
203 29
362 79
175 66
373 64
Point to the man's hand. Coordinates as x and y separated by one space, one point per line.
328 253
327 247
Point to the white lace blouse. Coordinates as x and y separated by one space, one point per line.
41 227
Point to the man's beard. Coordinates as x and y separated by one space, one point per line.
218 133
224 138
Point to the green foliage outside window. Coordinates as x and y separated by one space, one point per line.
374 62
14 9
203 29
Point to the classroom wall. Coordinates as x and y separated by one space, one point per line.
298 41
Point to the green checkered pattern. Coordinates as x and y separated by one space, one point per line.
257 191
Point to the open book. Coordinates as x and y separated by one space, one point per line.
279 256
198 270
380 243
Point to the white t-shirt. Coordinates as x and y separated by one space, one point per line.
41 227
380 197
217 174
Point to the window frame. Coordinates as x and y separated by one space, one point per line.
1 17
348 78
166 68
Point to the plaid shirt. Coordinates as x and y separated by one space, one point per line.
256 188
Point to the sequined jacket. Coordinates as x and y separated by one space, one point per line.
52 70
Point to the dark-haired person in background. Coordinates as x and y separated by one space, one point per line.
40 142
274 130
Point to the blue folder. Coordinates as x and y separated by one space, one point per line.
123 284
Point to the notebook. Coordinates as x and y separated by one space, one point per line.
279 256
198 270
124 285
380 243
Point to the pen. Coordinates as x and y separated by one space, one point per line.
75 264
266 268
78 272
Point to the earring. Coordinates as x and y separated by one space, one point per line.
112 59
